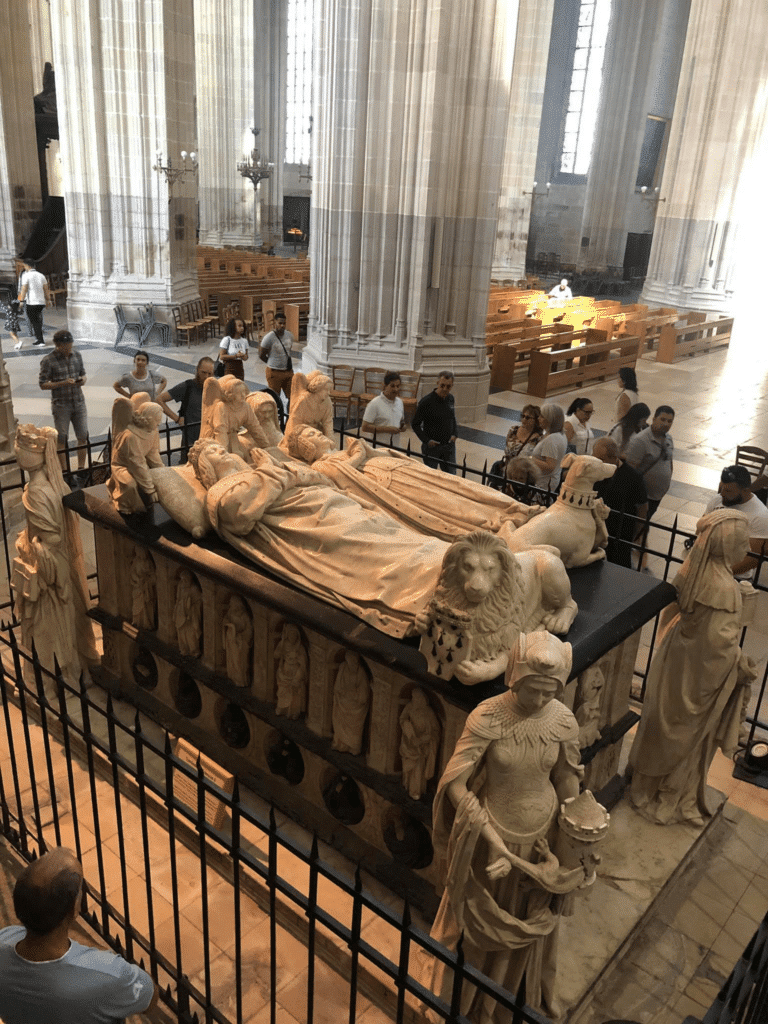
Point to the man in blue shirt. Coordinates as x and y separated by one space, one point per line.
45 975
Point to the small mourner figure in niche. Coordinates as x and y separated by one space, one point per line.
144 590
237 637
351 700
418 744
291 673
188 614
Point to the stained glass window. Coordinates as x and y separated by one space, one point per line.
586 80
299 82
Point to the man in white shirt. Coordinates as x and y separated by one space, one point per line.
33 289
560 294
734 492
384 415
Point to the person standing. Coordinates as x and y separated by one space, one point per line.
275 351
63 374
735 491
189 395
434 423
651 453
44 974
33 289
576 428
233 350
624 493
384 415
141 379
11 312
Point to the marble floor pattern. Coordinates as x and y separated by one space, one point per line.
677 965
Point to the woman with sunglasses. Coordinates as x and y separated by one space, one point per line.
523 438
576 427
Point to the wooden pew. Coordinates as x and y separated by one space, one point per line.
596 359
510 357
697 335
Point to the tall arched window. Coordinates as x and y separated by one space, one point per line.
586 80
299 82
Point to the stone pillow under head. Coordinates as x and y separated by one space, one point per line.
183 497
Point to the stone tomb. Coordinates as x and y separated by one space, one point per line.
356 802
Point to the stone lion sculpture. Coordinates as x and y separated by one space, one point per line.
485 597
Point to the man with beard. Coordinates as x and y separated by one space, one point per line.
735 492
189 394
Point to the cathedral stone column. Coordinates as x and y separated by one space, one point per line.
20 198
714 179
410 116
534 22
224 66
125 78
643 54
271 46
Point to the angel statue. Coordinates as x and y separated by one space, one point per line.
135 450
48 576
311 405
229 418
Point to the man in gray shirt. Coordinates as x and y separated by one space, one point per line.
275 351
45 975
650 454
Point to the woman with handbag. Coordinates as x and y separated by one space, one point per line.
233 350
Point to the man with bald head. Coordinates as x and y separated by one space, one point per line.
47 976
625 494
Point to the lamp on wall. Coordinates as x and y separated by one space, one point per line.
536 194
174 174
650 196
254 167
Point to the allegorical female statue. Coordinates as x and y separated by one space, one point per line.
351 700
48 575
699 677
495 821
143 590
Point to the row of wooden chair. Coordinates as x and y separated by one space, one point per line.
756 461
57 285
344 395
193 318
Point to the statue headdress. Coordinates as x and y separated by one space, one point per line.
540 654
704 577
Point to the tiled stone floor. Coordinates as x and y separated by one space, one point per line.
676 966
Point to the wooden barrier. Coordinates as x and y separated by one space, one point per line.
697 335
650 327
596 359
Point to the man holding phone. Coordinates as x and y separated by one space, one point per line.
63 374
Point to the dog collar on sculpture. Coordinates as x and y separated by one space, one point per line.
577 499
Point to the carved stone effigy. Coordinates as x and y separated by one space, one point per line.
505 887
310 406
229 418
135 450
48 574
265 409
575 523
423 499
699 681
419 744
351 703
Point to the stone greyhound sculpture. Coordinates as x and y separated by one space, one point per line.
575 524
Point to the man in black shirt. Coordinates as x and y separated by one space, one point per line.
625 494
434 424
189 393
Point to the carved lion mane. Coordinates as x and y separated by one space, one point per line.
498 618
